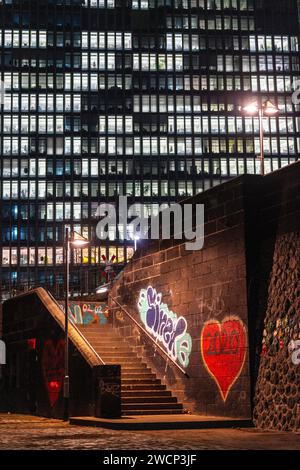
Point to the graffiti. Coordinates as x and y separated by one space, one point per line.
294 350
165 326
83 313
223 349
2 353
278 333
109 388
53 368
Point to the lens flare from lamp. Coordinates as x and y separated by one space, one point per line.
251 108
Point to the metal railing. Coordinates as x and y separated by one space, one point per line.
156 345
77 329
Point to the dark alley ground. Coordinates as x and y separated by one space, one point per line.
21 432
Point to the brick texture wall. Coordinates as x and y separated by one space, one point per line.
208 288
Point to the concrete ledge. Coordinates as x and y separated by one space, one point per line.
157 422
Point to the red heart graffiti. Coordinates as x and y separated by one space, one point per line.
223 348
53 368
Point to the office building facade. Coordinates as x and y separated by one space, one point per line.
141 98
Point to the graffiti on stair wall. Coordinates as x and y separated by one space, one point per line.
83 313
223 349
165 326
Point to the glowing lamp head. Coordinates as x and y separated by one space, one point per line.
270 109
78 241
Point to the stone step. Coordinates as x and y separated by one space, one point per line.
151 412
111 347
121 355
107 341
122 362
140 381
138 375
135 369
148 400
151 406
143 388
145 393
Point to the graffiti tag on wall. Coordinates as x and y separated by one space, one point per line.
83 313
278 334
294 350
165 326
53 368
223 349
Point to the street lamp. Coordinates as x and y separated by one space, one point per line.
72 239
267 108
136 239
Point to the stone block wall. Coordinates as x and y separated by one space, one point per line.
277 396
276 309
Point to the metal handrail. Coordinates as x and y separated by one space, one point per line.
77 329
156 345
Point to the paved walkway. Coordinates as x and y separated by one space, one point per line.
27 432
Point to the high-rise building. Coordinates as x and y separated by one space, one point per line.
133 97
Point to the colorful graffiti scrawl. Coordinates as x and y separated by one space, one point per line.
53 368
83 313
281 333
165 326
223 349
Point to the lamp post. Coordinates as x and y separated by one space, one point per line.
76 240
136 239
267 108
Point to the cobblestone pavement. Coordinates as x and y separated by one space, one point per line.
21 432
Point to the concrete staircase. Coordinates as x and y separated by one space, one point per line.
142 392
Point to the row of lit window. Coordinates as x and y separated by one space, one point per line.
141 103
251 43
44 39
185 4
76 211
148 169
203 125
217 23
94 168
195 104
170 41
41 39
42 124
164 62
215 166
39 102
80 190
151 146
187 22
42 256
94 82
180 124
115 40
255 83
